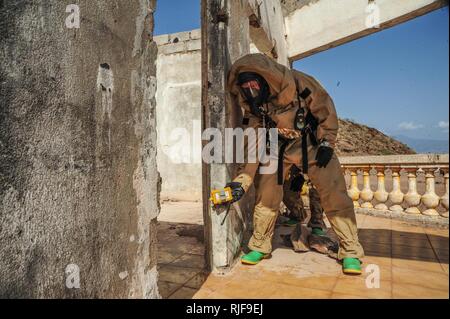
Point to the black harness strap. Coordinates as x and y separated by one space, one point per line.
309 130
281 161
305 154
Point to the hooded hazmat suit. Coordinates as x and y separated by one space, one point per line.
282 108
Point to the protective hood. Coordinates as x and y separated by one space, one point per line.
280 78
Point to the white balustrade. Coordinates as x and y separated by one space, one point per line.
430 199
396 196
354 192
381 195
412 198
418 169
444 199
367 193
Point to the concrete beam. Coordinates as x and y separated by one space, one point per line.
322 25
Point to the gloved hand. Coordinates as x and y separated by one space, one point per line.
297 183
237 191
324 154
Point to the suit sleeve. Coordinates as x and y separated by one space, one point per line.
323 109
248 169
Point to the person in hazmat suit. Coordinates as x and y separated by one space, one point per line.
295 104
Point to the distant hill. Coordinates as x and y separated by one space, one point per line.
425 145
356 139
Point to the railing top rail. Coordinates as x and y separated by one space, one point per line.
396 160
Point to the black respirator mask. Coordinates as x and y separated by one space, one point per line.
255 90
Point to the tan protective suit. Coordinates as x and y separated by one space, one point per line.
329 181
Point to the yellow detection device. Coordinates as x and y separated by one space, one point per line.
221 196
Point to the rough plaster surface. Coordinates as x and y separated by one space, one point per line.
78 174
290 6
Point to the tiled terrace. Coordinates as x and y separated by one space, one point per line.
413 263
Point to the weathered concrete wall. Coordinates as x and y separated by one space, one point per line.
78 178
317 25
179 115
290 6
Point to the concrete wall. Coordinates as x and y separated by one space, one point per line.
78 180
179 115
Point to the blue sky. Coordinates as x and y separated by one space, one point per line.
396 80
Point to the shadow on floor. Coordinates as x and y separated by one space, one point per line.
391 244
405 245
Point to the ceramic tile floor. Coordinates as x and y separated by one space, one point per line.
413 263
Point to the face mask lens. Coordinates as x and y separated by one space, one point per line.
254 90
251 90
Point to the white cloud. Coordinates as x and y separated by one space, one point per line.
410 126
443 125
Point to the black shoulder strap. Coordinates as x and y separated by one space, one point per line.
305 93
309 130
302 94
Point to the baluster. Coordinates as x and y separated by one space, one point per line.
381 195
412 198
354 192
430 199
444 199
367 193
396 196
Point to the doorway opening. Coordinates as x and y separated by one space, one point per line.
181 248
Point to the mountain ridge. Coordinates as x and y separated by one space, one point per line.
356 139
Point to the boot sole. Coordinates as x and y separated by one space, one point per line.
252 263
352 272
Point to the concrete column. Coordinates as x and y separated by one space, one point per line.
225 37
78 180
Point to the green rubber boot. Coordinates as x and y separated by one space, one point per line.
290 223
318 232
351 266
253 257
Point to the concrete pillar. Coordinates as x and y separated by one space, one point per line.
78 180
227 36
